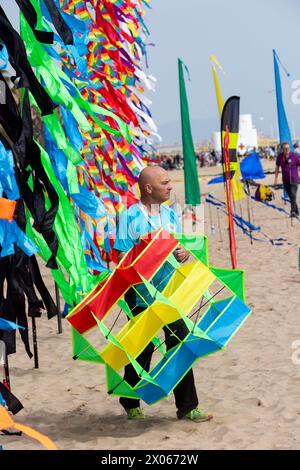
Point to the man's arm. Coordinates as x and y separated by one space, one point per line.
121 255
123 242
181 254
276 174
278 163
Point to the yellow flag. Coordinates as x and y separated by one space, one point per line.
236 185
219 96
237 188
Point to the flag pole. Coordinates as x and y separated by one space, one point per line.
212 227
229 139
35 344
219 225
228 200
249 214
59 322
6 371
4 362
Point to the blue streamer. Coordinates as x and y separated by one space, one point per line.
273 206
9 325
71 129
85 200
246 226
3 403
89 245
8 182
80 32
10 234
3 56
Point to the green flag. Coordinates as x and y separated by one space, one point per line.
191 183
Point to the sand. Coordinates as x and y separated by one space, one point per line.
252 388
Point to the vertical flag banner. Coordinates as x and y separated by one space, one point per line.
191 183
236 185
220 100
230 134
284 130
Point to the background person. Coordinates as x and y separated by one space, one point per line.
289 163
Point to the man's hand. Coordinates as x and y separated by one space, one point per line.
121 255
181 254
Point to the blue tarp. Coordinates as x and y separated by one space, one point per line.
251 169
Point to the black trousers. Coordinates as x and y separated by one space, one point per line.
185 392
291 189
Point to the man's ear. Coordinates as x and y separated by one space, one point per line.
148 188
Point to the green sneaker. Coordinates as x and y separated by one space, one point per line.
135 413
198 416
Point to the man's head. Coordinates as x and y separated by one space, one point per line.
285 148
155 184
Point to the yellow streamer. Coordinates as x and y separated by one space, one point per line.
7 422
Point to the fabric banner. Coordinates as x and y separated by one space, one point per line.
191 183
230 132
284 130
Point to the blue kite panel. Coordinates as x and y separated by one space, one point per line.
212 313
182 357
229 322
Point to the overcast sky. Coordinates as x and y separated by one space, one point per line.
242 34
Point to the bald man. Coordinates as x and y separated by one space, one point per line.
147 216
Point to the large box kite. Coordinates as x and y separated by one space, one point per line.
221 313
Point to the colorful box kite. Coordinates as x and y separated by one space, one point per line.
221 313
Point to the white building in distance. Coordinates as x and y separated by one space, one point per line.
247 136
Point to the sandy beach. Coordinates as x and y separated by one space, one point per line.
251 388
